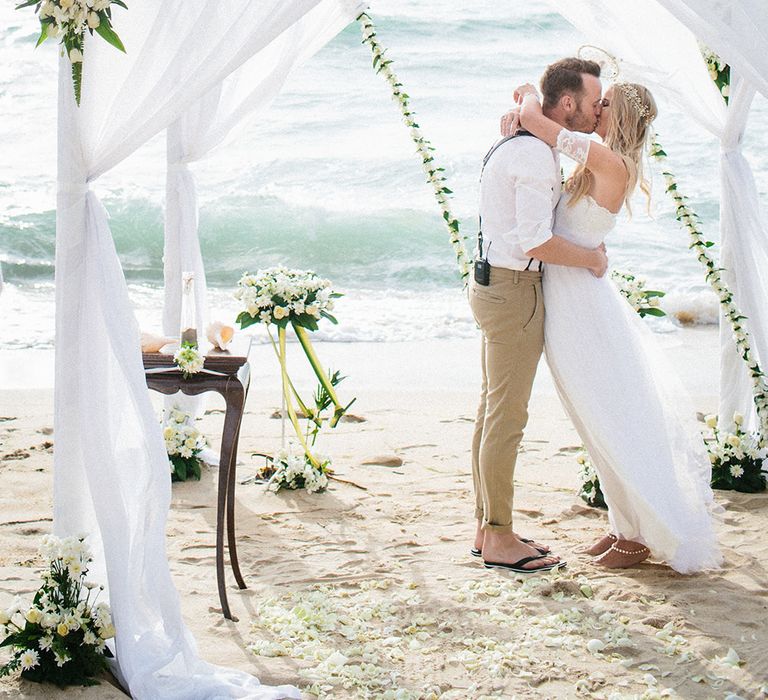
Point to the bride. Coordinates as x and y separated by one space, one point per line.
653 470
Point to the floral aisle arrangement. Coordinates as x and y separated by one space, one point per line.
435 174
69 20
644 301
737 458
300 299
589 489
61 637
290 469
184 443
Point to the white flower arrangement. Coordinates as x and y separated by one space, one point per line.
644 301
589 488
183 443
299 298
61 637
688 218
435 174
737 457
189 360
719 71
281 296
291 469
70 20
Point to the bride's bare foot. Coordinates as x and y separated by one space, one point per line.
601 546
623 554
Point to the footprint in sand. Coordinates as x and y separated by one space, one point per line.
16 454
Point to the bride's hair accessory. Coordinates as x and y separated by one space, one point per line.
609 64
630 92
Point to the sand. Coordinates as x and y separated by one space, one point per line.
356 590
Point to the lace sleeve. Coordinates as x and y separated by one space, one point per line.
574 145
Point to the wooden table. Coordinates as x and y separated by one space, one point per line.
227 373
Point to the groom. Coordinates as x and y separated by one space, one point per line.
520 187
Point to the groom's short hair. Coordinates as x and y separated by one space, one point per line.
564 76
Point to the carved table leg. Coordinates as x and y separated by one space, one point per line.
238 404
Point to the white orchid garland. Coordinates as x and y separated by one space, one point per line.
435 174
688 218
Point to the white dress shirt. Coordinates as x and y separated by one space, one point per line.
519 190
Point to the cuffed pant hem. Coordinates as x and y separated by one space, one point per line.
497 528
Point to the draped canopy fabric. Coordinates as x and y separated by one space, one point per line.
111 477
736 31
655 48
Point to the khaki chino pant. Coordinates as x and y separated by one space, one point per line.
510 313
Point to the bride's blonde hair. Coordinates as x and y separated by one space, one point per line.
632 111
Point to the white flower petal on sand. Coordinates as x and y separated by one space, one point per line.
730 659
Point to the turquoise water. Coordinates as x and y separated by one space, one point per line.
327 178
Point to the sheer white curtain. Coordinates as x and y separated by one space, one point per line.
231 104
111 477
658 50
737 31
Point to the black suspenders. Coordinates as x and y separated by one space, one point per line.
488 155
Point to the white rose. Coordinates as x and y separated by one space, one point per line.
280 312
75 56
738 418
313 310
711 421
93 20
5 618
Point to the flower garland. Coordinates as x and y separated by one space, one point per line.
435 174
688 218
189 359
183 443
736 457
644 301
61 637
300 299
70 19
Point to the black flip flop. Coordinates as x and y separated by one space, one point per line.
475 552
517 566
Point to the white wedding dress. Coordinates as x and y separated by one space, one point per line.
622 399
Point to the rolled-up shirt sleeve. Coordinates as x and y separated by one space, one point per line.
533 202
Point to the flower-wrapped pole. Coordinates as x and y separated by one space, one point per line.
70 20
435 174
690 220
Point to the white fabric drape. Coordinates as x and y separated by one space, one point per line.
736 31
656 49
111 477
204 126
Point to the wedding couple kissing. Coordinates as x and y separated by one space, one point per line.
540 286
